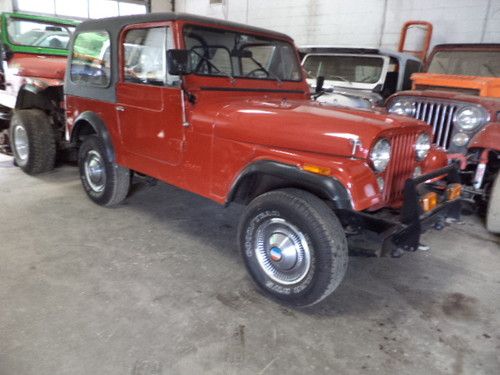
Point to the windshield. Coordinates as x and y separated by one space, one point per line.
348 68
39 34
469 63
217 52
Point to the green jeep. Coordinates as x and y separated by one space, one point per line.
33 53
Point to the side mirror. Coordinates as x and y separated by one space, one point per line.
320 81
178 62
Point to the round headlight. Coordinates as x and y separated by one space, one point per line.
460 139
468 118
422 146
403 107
380 155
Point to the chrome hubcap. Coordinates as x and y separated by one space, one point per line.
282 251
21 142
94 171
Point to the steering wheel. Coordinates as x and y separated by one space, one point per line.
253 73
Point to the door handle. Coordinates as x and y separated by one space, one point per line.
120 108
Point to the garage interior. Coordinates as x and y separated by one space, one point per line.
157 285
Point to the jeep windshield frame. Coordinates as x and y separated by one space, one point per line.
48 27
378 62
240 55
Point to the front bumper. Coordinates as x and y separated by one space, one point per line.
384 233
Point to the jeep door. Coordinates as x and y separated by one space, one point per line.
149 104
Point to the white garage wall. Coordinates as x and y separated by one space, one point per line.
368 23
76 8
161 6
5 6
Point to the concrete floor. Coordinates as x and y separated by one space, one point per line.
157 286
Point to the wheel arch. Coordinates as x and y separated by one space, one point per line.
87 123
265 175
34 97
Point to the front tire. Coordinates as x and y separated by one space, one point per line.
32 141
293 245
493 215
104 181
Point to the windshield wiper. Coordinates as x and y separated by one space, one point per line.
341 78
207 60
269 74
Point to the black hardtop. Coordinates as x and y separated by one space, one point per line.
114 25
117 23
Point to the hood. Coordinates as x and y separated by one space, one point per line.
39 66
473 85
309 126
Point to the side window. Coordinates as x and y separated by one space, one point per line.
90 59
145 56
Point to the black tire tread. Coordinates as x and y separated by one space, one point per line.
118 178
41 138
329 230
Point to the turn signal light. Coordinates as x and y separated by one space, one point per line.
429 201
454 191
317 169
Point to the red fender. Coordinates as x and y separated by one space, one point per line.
488 137
435 160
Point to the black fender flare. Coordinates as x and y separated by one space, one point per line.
325 187
31 88
27 90
99 127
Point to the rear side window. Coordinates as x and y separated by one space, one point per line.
90 59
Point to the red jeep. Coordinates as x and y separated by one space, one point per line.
459 97
223 110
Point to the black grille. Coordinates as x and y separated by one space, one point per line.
440 116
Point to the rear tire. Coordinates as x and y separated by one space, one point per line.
293 245
493 215
104 181
32 141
